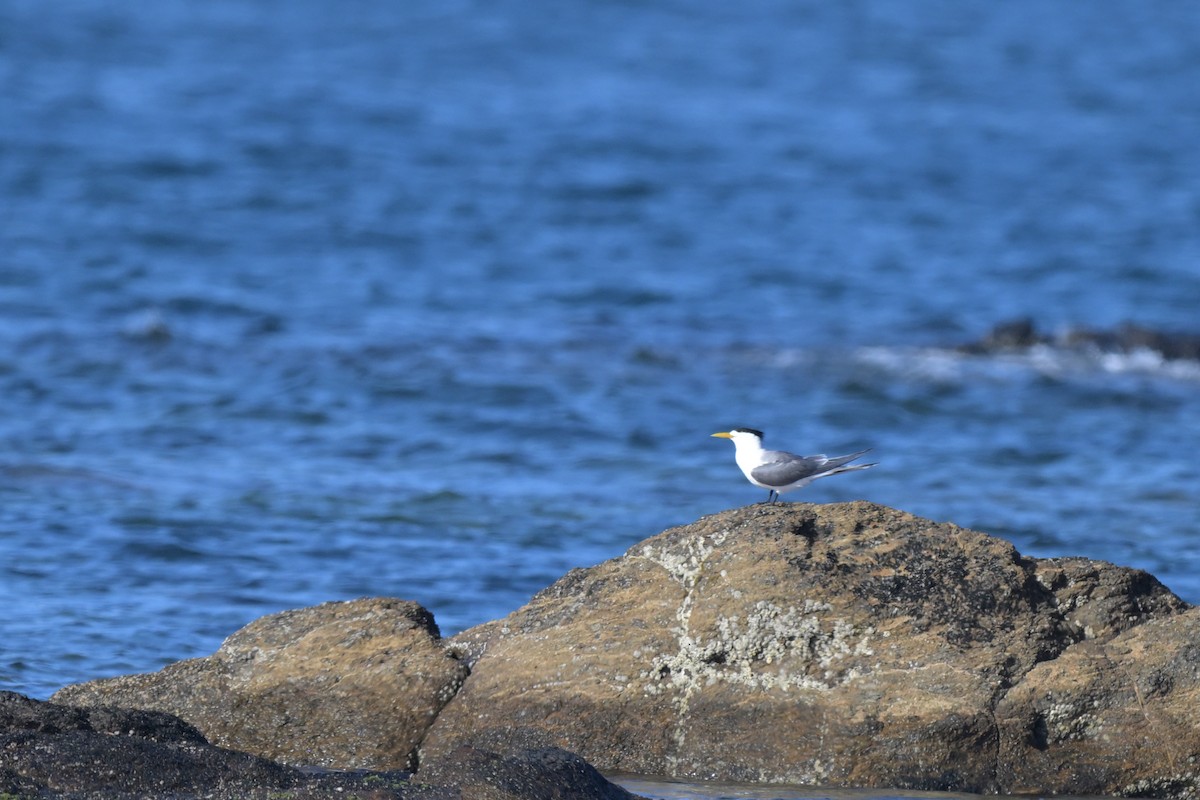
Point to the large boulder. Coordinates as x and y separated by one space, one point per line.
345 685
847 645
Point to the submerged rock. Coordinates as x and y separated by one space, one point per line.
838 645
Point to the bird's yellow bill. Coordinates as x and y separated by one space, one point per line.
722 435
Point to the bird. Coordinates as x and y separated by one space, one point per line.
778 471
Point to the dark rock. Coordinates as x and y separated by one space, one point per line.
350 685
847 645
548 773
50 750
1099 600
1022 334
1011 335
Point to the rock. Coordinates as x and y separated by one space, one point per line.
1114 717
49 750
548 773
1022 334
1099 600
349 685
1014 334
1130 337
840 645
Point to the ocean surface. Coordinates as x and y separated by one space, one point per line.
317 300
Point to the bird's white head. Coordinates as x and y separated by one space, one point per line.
742 437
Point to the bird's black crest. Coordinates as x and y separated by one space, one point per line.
759 434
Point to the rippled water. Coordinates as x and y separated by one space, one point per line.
440 300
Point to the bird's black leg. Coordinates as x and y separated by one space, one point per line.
771 497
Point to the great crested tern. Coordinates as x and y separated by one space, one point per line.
778 471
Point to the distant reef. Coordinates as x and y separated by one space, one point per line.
844 645
1022 334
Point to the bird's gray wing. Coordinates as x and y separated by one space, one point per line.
784 469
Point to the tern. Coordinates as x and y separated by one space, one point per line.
778 471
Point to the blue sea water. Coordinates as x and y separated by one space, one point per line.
315 300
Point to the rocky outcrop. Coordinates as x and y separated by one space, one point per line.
845 645
48 750
1022 334
839 645
346 685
